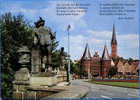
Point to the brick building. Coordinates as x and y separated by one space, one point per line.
97 66
128 68
86 60
105 63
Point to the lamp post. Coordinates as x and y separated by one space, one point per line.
68 53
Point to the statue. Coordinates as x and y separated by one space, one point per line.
43 41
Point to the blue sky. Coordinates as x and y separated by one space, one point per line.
87 27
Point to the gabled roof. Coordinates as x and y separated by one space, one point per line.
105 55
86 55
114 40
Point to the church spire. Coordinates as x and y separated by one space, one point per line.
86 54
105 55
114 40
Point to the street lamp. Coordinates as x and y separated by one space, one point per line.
68 53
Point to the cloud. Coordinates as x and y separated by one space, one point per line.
129 40
63 21
76 45
126 43
100 34
52 12
78 42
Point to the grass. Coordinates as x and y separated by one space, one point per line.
119 84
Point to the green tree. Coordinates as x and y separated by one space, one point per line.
56 60
75 68
15 32
112 71
130 60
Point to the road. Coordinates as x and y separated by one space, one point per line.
106 92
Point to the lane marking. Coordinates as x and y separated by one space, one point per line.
105 97
133 95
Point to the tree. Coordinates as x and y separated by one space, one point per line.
76 68
130 60
56 60
112 71
16 32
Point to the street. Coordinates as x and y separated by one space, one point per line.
106 92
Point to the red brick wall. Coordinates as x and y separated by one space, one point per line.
114 51
86 64
106 65
95 66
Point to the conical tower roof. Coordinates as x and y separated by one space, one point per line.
114 40
86 54
105 55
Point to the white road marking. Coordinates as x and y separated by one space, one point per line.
132 95
105 97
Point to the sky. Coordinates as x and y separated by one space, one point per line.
88 27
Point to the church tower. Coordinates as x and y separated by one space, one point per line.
114 44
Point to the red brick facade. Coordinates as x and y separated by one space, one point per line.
106 65
95 65
113 51
86 64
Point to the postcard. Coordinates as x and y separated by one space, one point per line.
69 49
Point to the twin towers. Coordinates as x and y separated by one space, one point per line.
96 66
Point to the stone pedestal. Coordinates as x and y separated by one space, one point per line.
21 81
36 61
43 81
62 76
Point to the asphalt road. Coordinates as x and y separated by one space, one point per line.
106 92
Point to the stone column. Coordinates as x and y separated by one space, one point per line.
36 61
